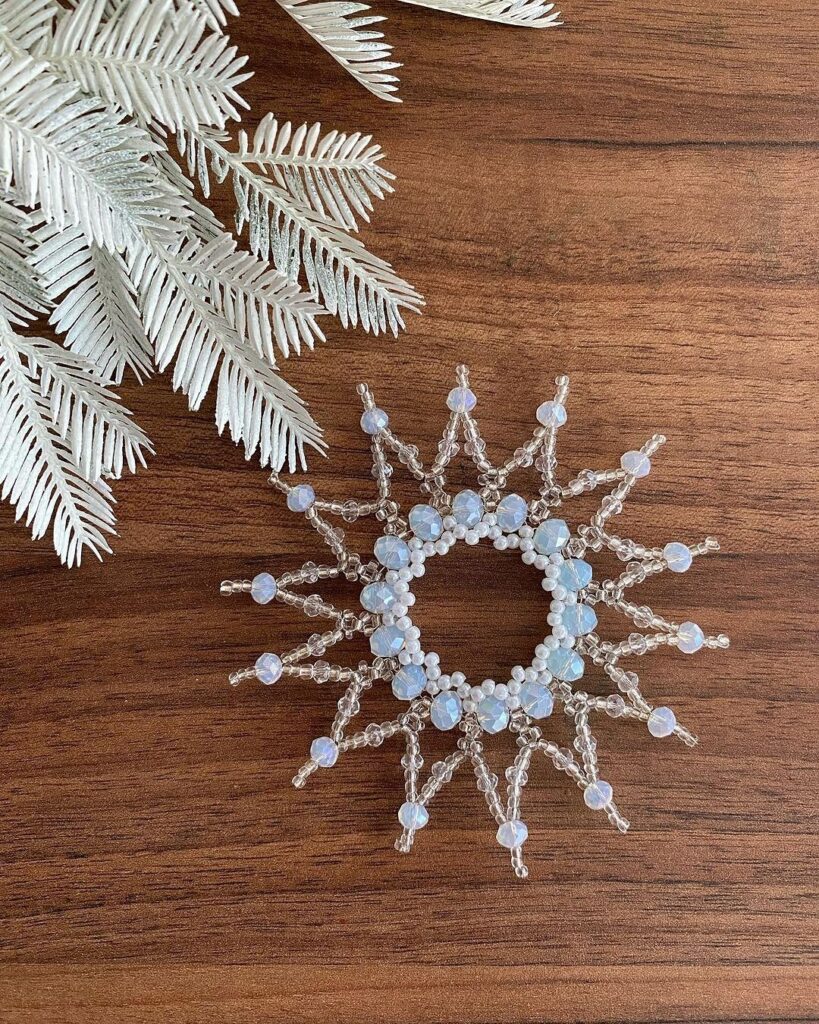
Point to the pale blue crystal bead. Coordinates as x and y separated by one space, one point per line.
268 668
409 682
324 751
492 714
690 638
512 834
579 619
551 414
445 710
661 722
636 463
461 400
566 665
575 573
536 700
300 498
374 420
378 597
598 795
413 815
511 512
467 508
392 552
263 588
678 557
387 641
551 536
426 522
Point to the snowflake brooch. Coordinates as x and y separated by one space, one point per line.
428 694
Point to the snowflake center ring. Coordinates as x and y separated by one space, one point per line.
563 578
442 697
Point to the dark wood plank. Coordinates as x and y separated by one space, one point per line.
631 200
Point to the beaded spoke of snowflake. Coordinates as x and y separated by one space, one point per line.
475 710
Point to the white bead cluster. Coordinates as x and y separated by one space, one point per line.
446 699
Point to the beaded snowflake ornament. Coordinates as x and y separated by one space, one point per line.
430 695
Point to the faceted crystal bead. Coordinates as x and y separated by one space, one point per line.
662 722
378 597
579 619
597 795
575 574
409 682
511 513
324 751
301 498
536 700
566 665
690 638
551 536
678 557
413 815
426 522
551 414
263 588
445 710
467 508
461 400
392 552
387 641
268 668
636 463
493 714
512 834
374 420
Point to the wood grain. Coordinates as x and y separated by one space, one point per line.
631 200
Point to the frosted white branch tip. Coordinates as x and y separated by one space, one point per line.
429 695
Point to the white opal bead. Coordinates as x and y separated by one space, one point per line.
472 537
551 536
379 597
374 420
387 641
426 522
690 638
392 552
324 751
636 463
413 815
461 400
662 722
511 512
597 795
551 414
677 556
493 715
300 498
446 710
268 668
488 686
476 694
263 588
467 508
512 834
409 682
536 700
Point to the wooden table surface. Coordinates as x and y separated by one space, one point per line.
632 200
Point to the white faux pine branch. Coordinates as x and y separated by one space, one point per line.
94 303
354 284
57 428
334 174
344 30
518 13
102 234
152 60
